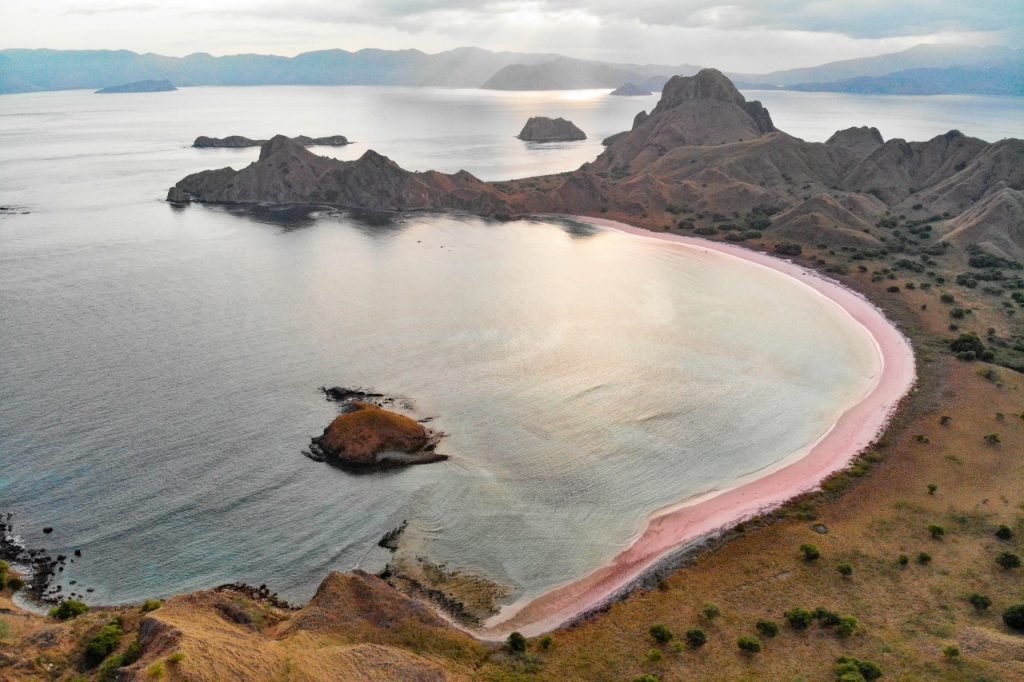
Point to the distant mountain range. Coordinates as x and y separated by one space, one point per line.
924 69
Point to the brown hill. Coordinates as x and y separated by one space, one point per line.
862 141
996 224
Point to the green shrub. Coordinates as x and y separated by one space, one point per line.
826 618
516 643
1004 532
696 638
661 633
646 677
788 249
767 628
711 611
545 642
102 644
132 653
176 658
924 558
1008 560
936 531
932 488
1014 617
866 669
749 644
904 560
810 552
107 672
150 605
845 570
68 609
653 655
156 670
951 651
799 619
847 626
979 601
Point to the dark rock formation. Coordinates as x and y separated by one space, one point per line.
368 436
862 140
287 173
630 90
139 86
239 142
544 129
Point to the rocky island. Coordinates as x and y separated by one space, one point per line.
544 129
139 86
630 90
370 437
240 142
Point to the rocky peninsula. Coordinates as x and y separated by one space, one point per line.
138 86
630 90
544 129
240 142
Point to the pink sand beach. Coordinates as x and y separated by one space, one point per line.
672 528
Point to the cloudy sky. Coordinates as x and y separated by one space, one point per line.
742 35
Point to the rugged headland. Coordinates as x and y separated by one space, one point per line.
904 562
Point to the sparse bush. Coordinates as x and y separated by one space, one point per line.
945 420
646 677
516 643
865 669
979 601
749 644
150 605
68 609
132 653
904 560
1004 532
653 655
696 638
156 671
1008 560
992 439
788 249
102 644
545 642
1014 617
951 651
845 570
767 628
711 611
932 488
799 619
810 552
924 558
661 633
936 531
847 626
176 658
107 672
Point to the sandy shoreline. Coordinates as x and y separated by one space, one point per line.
673 529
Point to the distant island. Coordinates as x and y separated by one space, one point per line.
630 90
139 86
544 129
239 142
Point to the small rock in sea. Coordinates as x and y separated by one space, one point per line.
89 589
72 582
78 552
820 528
48 529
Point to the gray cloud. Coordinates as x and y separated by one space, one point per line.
864 19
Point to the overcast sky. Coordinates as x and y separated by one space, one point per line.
742 35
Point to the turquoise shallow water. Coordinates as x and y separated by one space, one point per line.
159 367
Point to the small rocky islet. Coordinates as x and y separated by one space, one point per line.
241 142
366 436
544 129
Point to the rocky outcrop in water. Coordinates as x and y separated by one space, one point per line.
240 142
368 436
544 129
139 86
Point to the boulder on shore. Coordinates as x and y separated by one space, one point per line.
544 129
368 436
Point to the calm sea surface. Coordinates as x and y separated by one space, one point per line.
159 367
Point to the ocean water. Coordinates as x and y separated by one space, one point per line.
159 367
